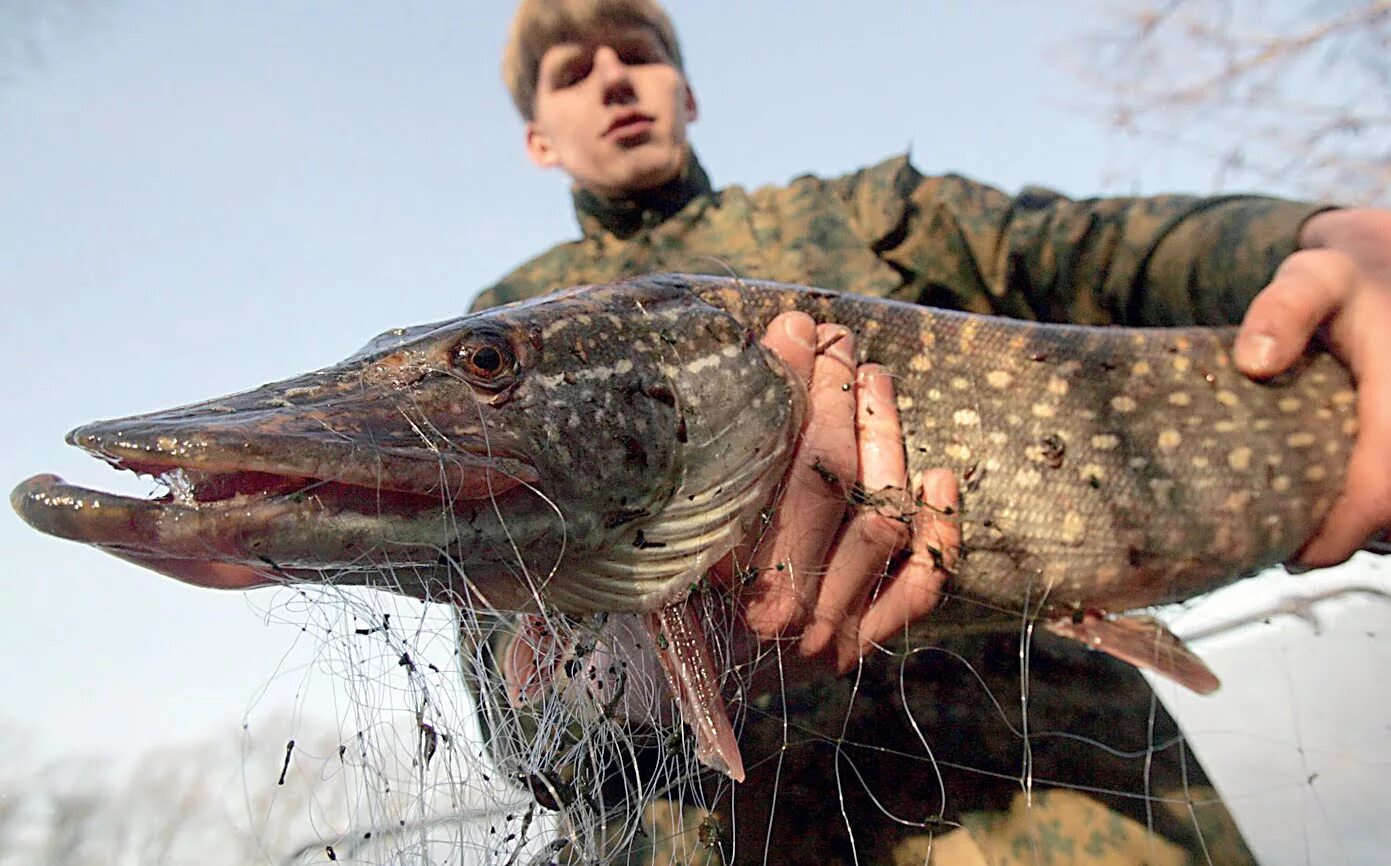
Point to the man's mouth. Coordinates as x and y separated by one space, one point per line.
629 124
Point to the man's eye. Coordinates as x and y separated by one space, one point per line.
637 57
639 54
572 74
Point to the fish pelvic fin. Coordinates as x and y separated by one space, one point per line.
679 637
1142 641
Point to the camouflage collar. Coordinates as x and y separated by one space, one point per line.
627 216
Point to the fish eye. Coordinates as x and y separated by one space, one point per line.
486 360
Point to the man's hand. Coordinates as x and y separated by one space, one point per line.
846 514
1337 286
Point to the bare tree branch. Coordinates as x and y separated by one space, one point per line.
1294 96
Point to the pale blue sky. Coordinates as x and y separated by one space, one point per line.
196 198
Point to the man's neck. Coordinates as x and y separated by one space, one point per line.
627 215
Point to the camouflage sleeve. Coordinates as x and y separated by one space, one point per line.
1166 260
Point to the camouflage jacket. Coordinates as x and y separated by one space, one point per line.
942 241
830 758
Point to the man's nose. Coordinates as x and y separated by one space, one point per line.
613 76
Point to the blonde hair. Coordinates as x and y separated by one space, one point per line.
539 24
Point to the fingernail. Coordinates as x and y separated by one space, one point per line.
814 640
846 659
1256 353
873 378
800 330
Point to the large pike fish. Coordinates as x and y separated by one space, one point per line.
599 449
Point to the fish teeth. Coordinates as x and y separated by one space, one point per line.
180 485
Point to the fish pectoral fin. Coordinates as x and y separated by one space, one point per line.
533 655
1141 641
679 637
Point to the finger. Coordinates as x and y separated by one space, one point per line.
916 588
1308 287
1357 335
787 559
792 337
878 529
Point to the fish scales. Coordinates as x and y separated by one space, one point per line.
599 449
1100 467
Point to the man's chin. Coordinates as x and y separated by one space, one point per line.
646 167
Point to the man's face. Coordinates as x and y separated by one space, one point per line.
612 112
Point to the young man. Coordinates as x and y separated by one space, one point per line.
602 89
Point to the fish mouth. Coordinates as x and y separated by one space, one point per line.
240 511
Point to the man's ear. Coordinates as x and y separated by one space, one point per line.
538 147
692 110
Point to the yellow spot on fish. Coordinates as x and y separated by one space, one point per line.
1280 483
1227 398
1181 364
1027 478
1105 441
1057 386
998 437
1141 368
1289 404
1093 472
960 383
920 363
1240 459
998 379
1199 462
1300 440
1123 404
1350 427
1169 440
1074 528
965 417
1180 398
934 394
1225 426
1316 472
957 451
1237 501
1343 397
904 401
1044 410
1013 420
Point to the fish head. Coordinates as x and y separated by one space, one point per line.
592 450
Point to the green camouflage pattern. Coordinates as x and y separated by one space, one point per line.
945 754
943 241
